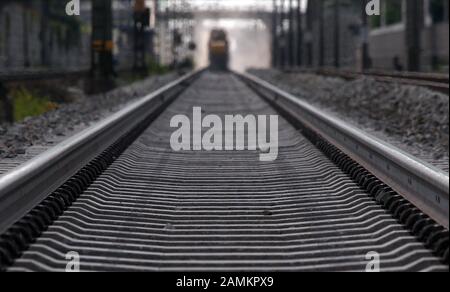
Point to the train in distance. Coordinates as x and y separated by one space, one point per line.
218 47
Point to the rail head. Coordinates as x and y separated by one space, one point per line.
419 182
29 184
434 81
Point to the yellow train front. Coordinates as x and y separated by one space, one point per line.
218 50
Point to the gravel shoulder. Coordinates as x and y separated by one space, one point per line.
24 140
414 119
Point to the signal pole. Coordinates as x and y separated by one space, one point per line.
365 58
414 23
319 11
282 37
43 32
337 31
291 51
141 18
102 69
308 37
299 34
275 34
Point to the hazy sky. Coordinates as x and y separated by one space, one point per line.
249 39
232 3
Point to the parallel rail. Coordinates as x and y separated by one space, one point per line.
434 81
25 187
422 185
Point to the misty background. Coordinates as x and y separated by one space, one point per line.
249 42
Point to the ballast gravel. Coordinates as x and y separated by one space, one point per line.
415 119
23 140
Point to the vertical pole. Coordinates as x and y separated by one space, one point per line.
337 31
175 30
320 11
135 40
141 17
155 30
291 51
310 19
44 33
171 15
282 36
299 34
365 58
274 34
102 44
26 56
185 29
414 22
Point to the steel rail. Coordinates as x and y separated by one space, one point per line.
434 81
23 188
157 209
424 76
418 76
422 184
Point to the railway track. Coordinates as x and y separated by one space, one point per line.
120 197
434 81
